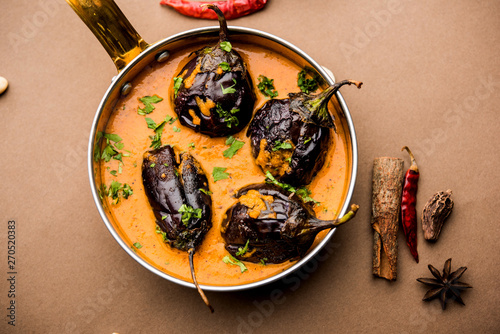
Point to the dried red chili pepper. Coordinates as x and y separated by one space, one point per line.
231 8
408 202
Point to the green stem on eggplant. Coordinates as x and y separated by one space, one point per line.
317 105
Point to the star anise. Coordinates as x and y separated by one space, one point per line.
445 286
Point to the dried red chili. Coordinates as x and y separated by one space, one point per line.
231 8
408 202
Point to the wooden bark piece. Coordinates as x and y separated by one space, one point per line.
387 183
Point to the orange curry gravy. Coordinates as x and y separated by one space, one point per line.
134 215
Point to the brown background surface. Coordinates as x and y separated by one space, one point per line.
431 81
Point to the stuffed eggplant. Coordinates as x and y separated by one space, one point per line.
179 196
269 224
290 137
213 93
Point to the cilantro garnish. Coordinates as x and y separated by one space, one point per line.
243 250
227 116
206 192
230 89
189 212
110 151
226 46
307 85
266 86
137 245
282 146
160 231
148 104
303 192
176 129
115 190
219 173
151 123
177 85
229 259
235 145
225 66
158 129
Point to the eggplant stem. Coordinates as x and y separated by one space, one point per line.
317 105
200 291
223 33
316 225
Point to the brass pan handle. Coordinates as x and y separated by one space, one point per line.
112 29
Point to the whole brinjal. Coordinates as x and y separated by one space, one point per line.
179 196
215 93
272 225
290 137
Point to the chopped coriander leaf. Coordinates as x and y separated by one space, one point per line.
176 129
151 124
120 167
235 146
225 66
156 139
137 245
127 191
152 165
243 250
113 172
97 146
266 86
110 151
160 231
177 85
113 137
114 191
307 85
229 259
263 261
229 140
191 145
171 120
189 212
206 192
230 89
148 104
227 116
282 146
226 46
303 192
118 157
219 173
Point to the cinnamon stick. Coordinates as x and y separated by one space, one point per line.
387 183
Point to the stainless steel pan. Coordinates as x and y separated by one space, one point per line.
130 53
